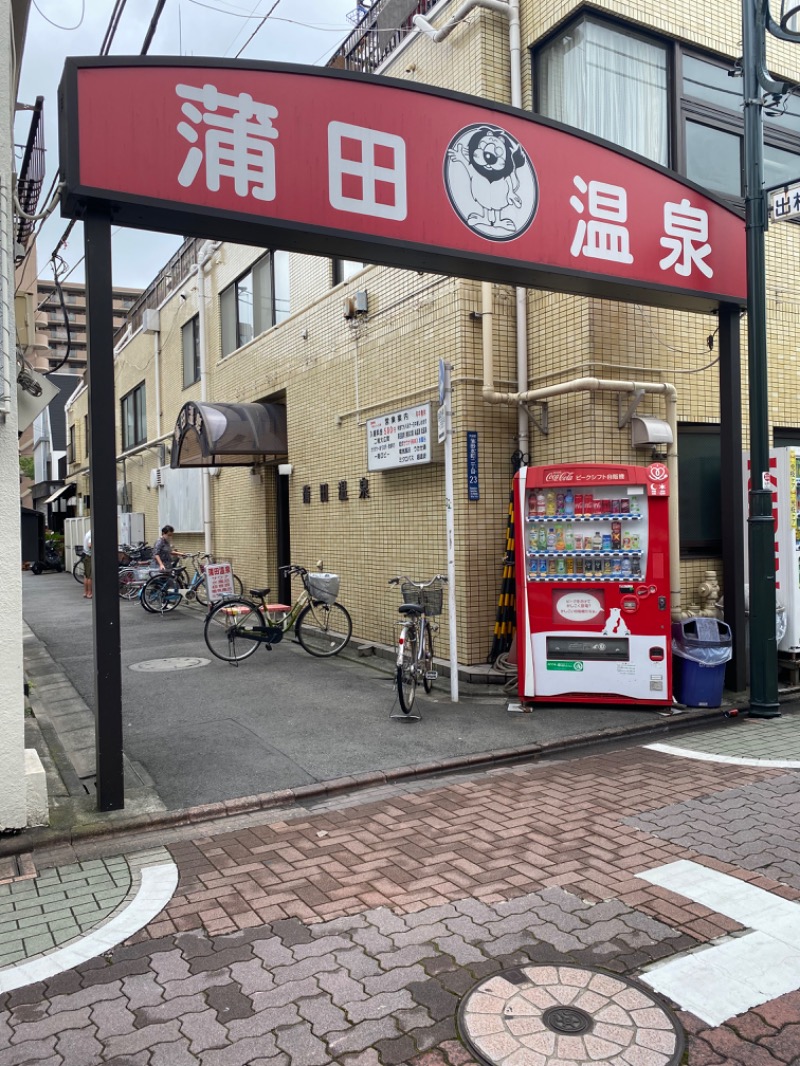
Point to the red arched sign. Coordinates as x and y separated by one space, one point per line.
327 162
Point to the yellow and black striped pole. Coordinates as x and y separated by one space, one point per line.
506 617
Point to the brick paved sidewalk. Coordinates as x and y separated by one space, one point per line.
349 933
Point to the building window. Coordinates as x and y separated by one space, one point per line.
342 269
613 82
713 133
699 466
190 339
71 456
134 418
255 302
85 435
607 81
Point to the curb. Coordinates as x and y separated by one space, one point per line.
120 825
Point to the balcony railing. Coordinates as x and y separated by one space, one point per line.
384 26
31 173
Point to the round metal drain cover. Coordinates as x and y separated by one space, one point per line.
567 1020
567 1015
159 666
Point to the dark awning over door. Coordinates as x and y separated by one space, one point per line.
228 434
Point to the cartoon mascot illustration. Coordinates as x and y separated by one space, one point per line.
491 159
615 624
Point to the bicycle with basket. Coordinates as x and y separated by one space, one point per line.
422 601
236 625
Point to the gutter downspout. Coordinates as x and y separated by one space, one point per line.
203 256
670 394
510 10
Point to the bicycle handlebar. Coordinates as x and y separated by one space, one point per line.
417 584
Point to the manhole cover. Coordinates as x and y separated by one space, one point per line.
156 666
569 1015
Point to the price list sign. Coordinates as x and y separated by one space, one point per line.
402 438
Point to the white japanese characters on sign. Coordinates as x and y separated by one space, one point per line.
219 581
402 438
604 235
686 228
366 171
235 139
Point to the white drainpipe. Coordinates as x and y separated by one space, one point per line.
510 10
203 256
661 388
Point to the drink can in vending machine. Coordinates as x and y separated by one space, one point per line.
597 506
588 503
578 503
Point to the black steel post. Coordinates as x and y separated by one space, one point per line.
103 474
283 537
761 532
732 491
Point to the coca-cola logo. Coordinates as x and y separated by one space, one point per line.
560 475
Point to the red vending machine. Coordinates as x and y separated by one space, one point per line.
593 611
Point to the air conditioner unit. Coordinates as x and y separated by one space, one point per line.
150 321
156 479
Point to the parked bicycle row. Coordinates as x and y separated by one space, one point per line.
235 624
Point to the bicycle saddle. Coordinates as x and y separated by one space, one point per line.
258 592
410 608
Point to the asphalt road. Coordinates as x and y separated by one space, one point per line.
282 718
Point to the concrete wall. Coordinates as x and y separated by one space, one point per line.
12 744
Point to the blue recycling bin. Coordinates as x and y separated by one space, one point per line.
700 649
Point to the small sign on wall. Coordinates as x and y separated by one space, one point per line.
473 484
401 438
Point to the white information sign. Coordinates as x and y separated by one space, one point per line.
785 203
402 438
442 424
219 581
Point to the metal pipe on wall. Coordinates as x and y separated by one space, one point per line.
203 256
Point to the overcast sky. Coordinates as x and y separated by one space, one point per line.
298 31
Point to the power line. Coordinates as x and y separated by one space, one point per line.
151 29
258 27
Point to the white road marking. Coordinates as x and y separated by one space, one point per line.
734 974
157 888
733 760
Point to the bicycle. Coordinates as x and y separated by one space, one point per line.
78 571
236 626
162 592
422 600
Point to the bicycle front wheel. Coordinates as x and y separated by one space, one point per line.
78 572
407 672
323 628
231 629
161 594
129 583
202 590
427 657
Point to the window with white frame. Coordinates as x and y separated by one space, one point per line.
134 418
190 341
255 302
